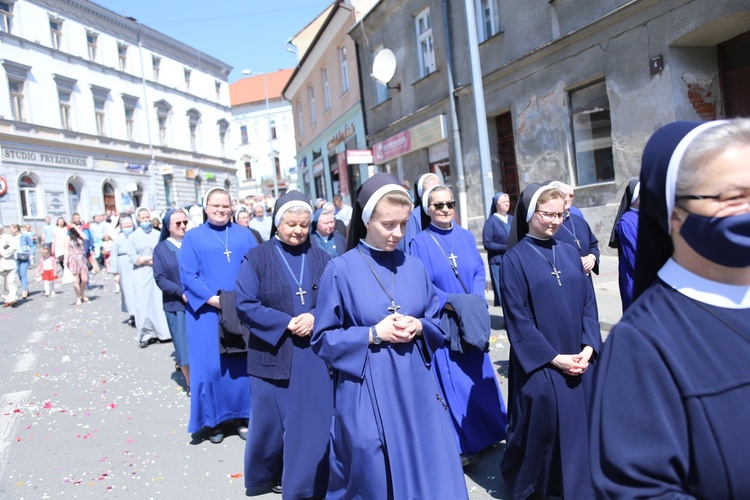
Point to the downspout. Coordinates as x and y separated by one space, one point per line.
463 213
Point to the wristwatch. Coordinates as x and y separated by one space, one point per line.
376 340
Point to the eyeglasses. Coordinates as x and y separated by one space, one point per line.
549 216
730 201
181 222
440 206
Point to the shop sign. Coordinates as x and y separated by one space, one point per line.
358 156
136 168
37 158
55 203
209 176
393 147
428 132
341 136
165 170
190 173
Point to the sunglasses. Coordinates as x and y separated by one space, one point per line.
449 204
181 222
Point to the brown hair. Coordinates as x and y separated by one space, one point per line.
395 197
547 195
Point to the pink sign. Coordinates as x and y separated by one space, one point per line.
392 147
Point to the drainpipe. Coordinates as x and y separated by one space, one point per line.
151 169
463 213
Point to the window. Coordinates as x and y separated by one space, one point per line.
487 19
299 119
28 195
168 189
6 17
122 55
381 90
277 163
129 121
100 106
55 29
198 189
248 170
243 134
65 109
223 127
311 93
17 74
188 73
163 109
91 40
273 129
193 119
217 84
344 70
65 89
16 99
592 134
425 48
326 89
156 65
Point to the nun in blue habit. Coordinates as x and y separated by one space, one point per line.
672 390
550 316
377 327
624 238
292 391
466 377
210 259
495 235
418 219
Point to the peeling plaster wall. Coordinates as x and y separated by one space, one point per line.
535 89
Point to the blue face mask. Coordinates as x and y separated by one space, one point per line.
146 226
722 240
127 230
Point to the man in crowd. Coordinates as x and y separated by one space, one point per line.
343 211
261 222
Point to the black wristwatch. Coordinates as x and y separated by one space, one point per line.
376 340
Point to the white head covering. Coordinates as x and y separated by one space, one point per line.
375 198
532 204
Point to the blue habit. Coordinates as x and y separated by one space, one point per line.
576 231
671 400
218 383
391 435
413 228
292 403
467 380
495 240
547 446
627 234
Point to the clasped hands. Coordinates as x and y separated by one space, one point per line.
398 329
302 325
574 364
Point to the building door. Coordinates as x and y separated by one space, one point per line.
734 74
507 155
108 193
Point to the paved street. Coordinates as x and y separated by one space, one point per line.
87 413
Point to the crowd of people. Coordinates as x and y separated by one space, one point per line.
348 345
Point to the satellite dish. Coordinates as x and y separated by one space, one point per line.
384 66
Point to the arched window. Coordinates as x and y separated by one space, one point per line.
168 190
30 208
248 170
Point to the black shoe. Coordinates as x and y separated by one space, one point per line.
468 459
143 344
217 435
131 321
276 485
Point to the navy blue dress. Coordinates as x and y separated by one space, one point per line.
391 436
292 399
672 399
577 232
167 277
467 380
547 446
627 237
495 240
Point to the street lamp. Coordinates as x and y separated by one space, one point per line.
248 72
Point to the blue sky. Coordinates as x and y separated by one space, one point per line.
248 34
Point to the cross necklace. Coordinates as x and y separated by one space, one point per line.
573 232
393 307
451 258
226 251
554 272
300 292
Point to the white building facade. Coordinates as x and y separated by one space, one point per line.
263 134
100 113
